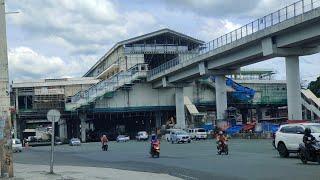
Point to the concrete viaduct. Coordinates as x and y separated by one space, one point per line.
289 32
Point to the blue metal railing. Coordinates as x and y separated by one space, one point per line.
274 18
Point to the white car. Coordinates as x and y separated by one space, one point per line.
289 136
123 138
16 145
167 136
142 135
198 133
179 136
75 142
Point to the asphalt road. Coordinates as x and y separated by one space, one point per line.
248 159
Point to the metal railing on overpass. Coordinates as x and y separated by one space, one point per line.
291 11
109 85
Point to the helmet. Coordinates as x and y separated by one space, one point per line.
220 133
307 131
153 137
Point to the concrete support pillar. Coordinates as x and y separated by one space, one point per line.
180 114
158 119
63 130
83 123
293 88
221 96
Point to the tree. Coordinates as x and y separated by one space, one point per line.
314 86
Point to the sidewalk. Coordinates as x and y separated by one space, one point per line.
40 172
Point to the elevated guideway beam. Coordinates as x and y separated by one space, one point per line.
289 32
293 30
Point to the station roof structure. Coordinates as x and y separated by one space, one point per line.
54 82
144 37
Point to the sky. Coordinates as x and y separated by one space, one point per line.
64 38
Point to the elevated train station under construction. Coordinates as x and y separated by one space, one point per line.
115 96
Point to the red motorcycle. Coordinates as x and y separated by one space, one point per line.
155 149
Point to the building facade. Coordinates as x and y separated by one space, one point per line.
33 99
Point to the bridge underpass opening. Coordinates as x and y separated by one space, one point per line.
130 123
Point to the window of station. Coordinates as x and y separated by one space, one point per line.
25 102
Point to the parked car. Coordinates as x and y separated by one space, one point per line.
179 137
75 142
197 133
16 145
142 135
167 135
57 141
123 138
289 136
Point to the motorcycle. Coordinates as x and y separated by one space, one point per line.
105 146
155 149
306 155
222 148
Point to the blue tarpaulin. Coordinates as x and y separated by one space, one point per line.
234 129
208 127
241 93
269 127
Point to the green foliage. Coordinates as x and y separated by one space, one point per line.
314 86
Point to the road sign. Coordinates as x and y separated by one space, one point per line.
53 115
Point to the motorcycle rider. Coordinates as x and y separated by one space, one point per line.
308 139
221 138
104 140
154 140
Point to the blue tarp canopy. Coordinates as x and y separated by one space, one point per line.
234 129
241 93
208 126
269 127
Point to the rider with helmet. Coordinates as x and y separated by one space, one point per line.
154 140
308 139
221 138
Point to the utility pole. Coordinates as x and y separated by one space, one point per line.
5 120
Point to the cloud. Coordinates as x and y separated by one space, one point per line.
213 28
79 26
25 63
228 8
